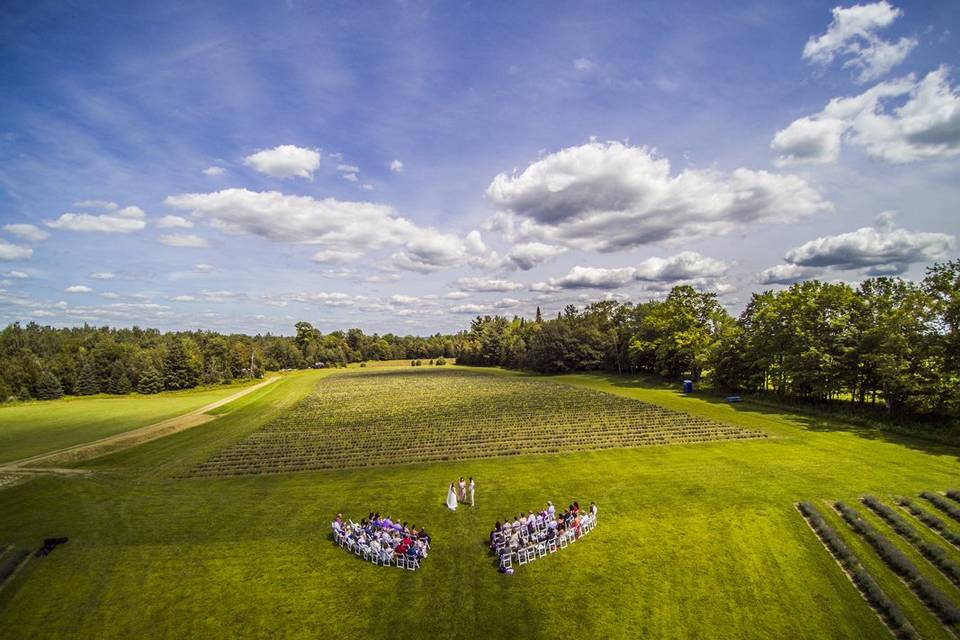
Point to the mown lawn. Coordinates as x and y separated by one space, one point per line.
694 541
38 427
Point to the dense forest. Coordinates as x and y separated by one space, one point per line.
887 341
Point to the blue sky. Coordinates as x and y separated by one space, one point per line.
404 166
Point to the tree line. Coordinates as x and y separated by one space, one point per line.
39 362
886 341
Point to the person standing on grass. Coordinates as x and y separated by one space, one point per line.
462 490
472 493
452 498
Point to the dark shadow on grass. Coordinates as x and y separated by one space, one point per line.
804 419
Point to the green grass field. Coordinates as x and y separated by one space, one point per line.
38 427
694 540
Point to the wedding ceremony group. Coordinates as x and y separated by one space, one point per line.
461 492
382 541
537 534
527 537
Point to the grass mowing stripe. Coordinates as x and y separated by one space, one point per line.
932 521
885 607
935 554
954 494
935 599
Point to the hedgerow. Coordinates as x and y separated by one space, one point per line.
935 599
954 494
402 416
936 555
931 521
899 525
937 500
874 594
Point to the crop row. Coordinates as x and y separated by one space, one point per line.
931 521
934 553
373 419
874 594
900 564
940 503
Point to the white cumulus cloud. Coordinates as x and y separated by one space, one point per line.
9 252
396 166
78 288
126 220
487 284
882 249
612 196
687 266
853 35
785 274
527 255
285 161
214 171
926 124
187 240
28 232
174 222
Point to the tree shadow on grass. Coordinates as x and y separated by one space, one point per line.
930 443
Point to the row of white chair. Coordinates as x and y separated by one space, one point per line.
384 558
540 549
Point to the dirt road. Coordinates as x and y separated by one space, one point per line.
44 462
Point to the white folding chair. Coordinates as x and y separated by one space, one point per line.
522 556
412 563
563 540
506 561
541 550
552 545
401 560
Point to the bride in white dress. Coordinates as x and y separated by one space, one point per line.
452 498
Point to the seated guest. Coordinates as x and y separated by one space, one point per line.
551 510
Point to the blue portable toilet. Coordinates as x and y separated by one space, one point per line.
688 386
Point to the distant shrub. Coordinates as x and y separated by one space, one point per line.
363 364
940 503
440 361
942 606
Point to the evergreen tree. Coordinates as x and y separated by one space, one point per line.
48 387
87 383
150 382
119 381
539 318
177 370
